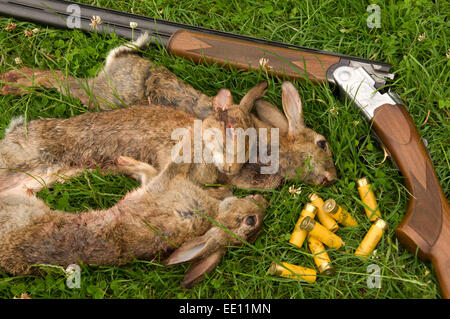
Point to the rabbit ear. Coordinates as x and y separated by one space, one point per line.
270 114
292 106
198 247
222 100
255 93
197 271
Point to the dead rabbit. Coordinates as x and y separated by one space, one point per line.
35 154
167 214
127 79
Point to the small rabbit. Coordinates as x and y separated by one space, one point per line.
46 148
301 149
126 79
166 214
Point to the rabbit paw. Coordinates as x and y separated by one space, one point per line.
14 79
140 171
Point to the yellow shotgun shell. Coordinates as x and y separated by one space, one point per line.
293 272
339 214
368 198
321 233
371 239
324 219
321 258
299 235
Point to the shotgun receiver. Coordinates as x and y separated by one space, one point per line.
426 225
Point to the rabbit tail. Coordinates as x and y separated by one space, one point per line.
127 48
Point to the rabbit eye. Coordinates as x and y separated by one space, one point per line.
250 221
322 144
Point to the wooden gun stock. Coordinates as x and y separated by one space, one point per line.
426 225
201 47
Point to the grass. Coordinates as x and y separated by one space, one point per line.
421 68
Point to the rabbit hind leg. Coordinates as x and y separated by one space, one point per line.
140 171
18 82
33 181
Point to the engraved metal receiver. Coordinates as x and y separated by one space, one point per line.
363 88
426 225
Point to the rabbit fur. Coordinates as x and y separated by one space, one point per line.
167 211
127 78
37 153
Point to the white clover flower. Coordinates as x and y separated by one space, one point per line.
334 110
264 63
11 26
96 20
133 25
18 60
295 191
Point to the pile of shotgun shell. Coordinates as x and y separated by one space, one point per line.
322 232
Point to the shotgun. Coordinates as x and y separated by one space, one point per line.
426 225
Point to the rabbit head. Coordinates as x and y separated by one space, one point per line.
230 152
302 152
240 216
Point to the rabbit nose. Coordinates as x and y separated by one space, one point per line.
327 182
328 178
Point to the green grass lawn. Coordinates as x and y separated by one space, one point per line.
413 37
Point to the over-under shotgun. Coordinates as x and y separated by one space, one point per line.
426 225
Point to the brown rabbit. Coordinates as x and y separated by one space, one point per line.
126 79
167 211
301 149
303 153
45 148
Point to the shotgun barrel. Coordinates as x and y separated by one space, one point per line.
196 43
